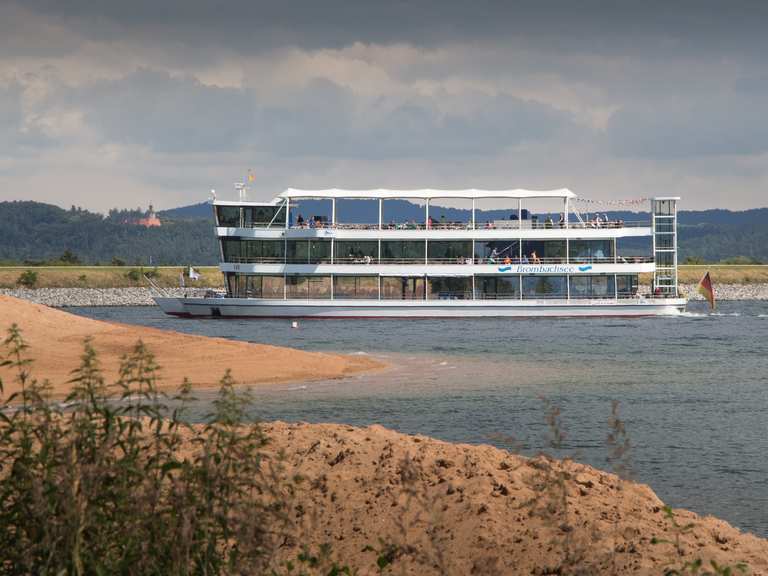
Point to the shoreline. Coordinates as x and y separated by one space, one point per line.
56 339
138 296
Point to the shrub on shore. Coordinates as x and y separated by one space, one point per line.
27 279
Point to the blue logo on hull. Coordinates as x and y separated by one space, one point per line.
505 268
585 268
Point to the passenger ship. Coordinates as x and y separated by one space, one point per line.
278 262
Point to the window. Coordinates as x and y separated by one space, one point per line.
592 286
497 287
626 285
316 287
494 251
228 216
308 251
356 251
351 287
231 249
402 288
665 207
547 251
449 252
399 250
270 251
241 250
665 241
319 251
255 286
264 216
449 288
297 252
665 259
544 287
665 225
591 250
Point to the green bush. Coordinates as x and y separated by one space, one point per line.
134 275
119 483
28 279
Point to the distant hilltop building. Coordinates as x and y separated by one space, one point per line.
150 219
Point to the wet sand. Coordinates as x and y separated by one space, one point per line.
56 339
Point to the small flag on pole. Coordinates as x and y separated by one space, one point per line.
706 290
193 274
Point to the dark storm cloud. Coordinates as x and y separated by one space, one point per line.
177 115
388 92
165 113
653 27
729 123
16 137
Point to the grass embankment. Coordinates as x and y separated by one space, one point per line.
107 276
720 273
168 276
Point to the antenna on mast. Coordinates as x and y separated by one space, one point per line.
241 190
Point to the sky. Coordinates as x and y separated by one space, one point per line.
121 104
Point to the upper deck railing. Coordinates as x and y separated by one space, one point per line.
489 225
369 260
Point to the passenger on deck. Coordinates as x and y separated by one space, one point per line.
525 259
507 260
561 222
493 256
534 258
300 221
548 223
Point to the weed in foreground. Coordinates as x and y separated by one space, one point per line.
114 481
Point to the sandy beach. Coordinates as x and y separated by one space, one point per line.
56 340
466 509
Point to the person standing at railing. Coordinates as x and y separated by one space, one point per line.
300 221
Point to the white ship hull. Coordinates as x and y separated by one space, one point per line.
263 308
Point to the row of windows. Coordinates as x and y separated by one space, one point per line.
431 288
317 251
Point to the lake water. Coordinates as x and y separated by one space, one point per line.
693 389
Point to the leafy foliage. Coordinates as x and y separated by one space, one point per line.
113 481
28 279
35 232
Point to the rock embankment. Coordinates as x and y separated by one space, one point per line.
66 297
729 291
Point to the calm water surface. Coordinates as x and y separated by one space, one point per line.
693 389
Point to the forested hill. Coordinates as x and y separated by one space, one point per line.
35 232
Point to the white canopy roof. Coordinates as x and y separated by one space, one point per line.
426 193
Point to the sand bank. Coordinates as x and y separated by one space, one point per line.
56 344
469 510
